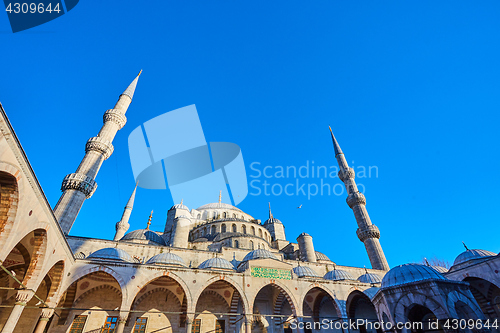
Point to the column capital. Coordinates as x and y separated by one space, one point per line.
23 297
46 314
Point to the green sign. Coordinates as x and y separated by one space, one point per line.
271 273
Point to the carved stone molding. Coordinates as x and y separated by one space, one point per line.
46 313
23 297
79 182
116 117
356 199
346 174
370 231
100 145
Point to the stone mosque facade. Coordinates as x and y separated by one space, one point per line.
212 269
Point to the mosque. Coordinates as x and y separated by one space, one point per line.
212 269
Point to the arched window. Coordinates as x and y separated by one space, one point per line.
251 245
243 217
234 215
263 247
223 228
258 245
260 233
234 227
205 231
244 229
236 244
224 215
199 216
215 215
253 230
213 230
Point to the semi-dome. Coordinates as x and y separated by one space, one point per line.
303 271
471 255
440 269
407 273
338 275
166 258
111 253
219 205
216 263
321 256
144 234
370 278
259 254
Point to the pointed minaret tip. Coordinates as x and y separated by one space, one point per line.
131 88
336 145
220 196
149 220
466 248
270 213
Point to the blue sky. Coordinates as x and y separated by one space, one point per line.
411 88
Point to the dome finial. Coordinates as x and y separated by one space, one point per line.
466 248
220 196
182 200
270 213
149 220
427 262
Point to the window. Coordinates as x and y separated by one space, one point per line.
140 325
110 325
199 216
251 245
225 215
223 228
78 324
220 326
236 244
253 230
234 227
260 233
244 229
213 230
196 326
205 231
243 217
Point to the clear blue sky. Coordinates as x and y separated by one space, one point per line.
409 87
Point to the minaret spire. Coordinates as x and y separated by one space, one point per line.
123 225
270 213
220 196
78 186
149 220
367 232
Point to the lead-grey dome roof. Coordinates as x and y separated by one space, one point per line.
219 205
304 271
338 275
259 254
321 256
272 220
440 269
166 258
179 206
471 255
370 278
111 253
407 273
217 263
144 234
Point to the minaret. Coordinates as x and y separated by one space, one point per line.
123 225
81 185
367 232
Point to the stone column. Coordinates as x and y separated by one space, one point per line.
22 298
44 320
122 320
300 325
189 322
248 324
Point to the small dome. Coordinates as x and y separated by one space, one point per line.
304 234
272 220
144 234
440 269
259 254
471 255
370 278
179 206
166 259
321 256
218 205
216 263
303 271
407 273
338 275
111 253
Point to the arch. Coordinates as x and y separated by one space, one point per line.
244 229
260 233
288 295
251 245
233 228
158 274
455 297
154 291
400 313
97 288
227 280
486 294
360 306
214 230
252 228
326 292
223 228
417 313
224 215
9 200
56 277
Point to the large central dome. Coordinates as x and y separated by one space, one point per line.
219 205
